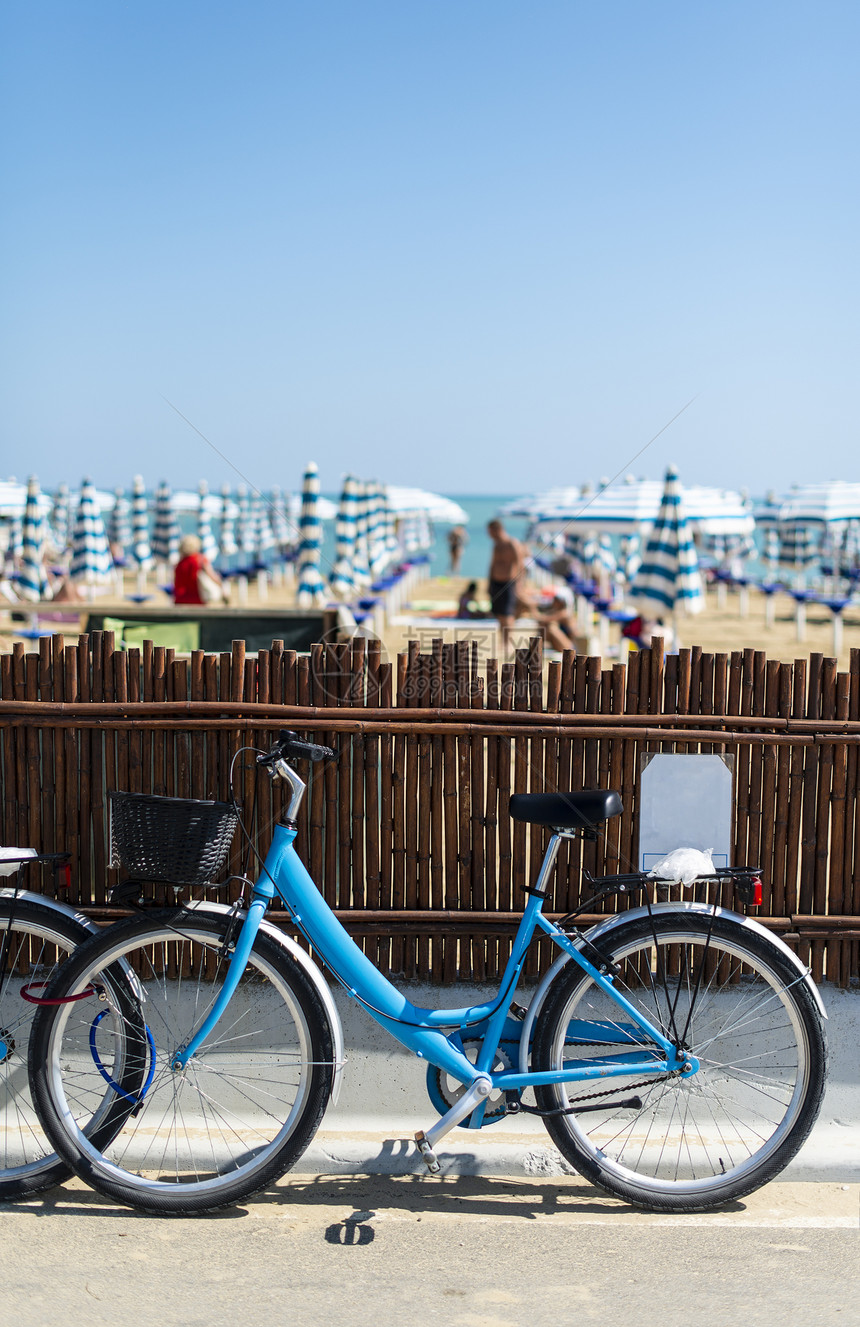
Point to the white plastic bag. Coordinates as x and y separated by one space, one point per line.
684 865
8 867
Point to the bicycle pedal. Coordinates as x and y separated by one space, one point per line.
429 1157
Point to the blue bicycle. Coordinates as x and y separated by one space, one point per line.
675 1051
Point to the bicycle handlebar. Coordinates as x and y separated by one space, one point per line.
289 745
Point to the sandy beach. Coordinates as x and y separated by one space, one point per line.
719 628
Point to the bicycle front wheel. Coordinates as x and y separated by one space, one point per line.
241 1112
736 1003
34 940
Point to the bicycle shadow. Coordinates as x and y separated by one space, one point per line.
394 1183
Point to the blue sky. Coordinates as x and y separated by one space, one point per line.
476 246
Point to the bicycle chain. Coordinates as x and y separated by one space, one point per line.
514 1108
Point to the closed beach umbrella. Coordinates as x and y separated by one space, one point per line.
360 557
33 581
279 521
376 532
411 533
208 543
226 523
669 580
589 552
573 546
631 557
141 550
372 528
91 560
341 579
165 535
119 522
311 589
60 518
15 545
261 529
606 558
244 531
391 544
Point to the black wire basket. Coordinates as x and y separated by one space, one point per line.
177 840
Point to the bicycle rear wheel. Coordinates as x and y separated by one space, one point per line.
736 1003
34 940
241 1112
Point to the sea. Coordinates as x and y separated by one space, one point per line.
476 555
475 561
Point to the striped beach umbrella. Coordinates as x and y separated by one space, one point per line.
669 580
341 579
798 545
371 527
631 507
33 581
411 533
360 558
589 552
386 528
376 531
261 530
91 560
391 544
165 535
60 518
849 553
572 546
119 522
14 544
771 549
606 558
244 528
311 589
631 557
282 530
140 546
208 543
226 526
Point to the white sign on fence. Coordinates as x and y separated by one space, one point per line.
685 802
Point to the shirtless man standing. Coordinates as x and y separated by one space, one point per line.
506 566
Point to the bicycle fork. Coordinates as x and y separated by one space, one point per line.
238 963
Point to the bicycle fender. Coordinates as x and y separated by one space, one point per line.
620 918
53 905
310 968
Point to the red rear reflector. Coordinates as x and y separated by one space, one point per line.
756 893
67 876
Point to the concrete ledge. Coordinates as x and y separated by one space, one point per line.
384 1100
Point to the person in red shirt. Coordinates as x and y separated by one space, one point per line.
186 584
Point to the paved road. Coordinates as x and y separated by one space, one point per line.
467 1252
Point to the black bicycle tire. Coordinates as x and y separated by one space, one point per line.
49 924
571 982
178 1200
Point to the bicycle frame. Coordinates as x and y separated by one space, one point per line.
423 1030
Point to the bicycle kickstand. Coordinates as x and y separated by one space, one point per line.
477 1092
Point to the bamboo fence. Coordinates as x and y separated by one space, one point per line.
408 835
